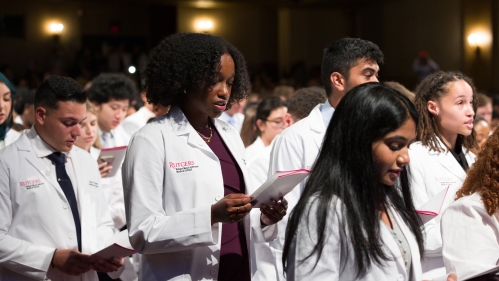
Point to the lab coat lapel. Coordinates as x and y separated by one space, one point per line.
317 127
25 145
224 131
393 247
85 201
447 160
181 126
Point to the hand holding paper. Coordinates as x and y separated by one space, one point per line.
119 248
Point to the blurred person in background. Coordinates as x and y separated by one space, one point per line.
134 122
495 121
7 96
111 95
25 109
484 108
283 92
234 115
248 130
270 120
423 65
482 132
399 87
112 186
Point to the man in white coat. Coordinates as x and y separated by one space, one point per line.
346 63
53 213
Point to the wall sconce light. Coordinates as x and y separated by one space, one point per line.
204 25
56 28
478 40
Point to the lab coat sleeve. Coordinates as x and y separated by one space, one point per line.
328 266
15 254
116 203
150 228
433 239
470 238
287 154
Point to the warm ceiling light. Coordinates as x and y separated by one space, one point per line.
478 39
56 28
204 25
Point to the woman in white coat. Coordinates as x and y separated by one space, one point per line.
7 95
355 219
270 120
446 102
470 226
186 190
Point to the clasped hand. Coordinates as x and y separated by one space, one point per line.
234 207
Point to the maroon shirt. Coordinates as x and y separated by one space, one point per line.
234 258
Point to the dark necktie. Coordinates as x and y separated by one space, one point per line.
59 160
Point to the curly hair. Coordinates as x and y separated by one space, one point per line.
483 176
109 86
186 63
433 87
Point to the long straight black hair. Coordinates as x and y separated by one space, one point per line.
345 169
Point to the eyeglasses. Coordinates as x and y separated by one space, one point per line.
278 122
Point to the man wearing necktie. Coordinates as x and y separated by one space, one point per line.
53 214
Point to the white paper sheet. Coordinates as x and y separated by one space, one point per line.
432 208
280 184
118 153
119 248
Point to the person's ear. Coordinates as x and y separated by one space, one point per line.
288 119
338 81
40 115
433 107
260 124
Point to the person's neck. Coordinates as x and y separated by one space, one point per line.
104 129
41 133
197 119
335 98
448 138
266 141
26 124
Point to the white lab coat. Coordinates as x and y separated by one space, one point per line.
35 218
11 136
337 261
254 149
431 172
113 191
297 147
470 237
171 178
139 119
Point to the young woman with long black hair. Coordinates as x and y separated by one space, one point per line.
355 219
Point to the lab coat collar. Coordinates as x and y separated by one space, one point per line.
26 143
317 126
40 147
392 245
447 160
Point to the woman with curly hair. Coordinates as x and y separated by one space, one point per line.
440 157
470 226
184 175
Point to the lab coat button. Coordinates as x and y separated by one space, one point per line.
47 173
218 197
71 236
65 206
213 271
400 277
201 143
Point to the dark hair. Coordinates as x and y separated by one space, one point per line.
483 100
304 100
59 88
185 63
249 131
27 97
495 99
109 86
478 118
433 87
5 127
266 107
344 54
345 169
